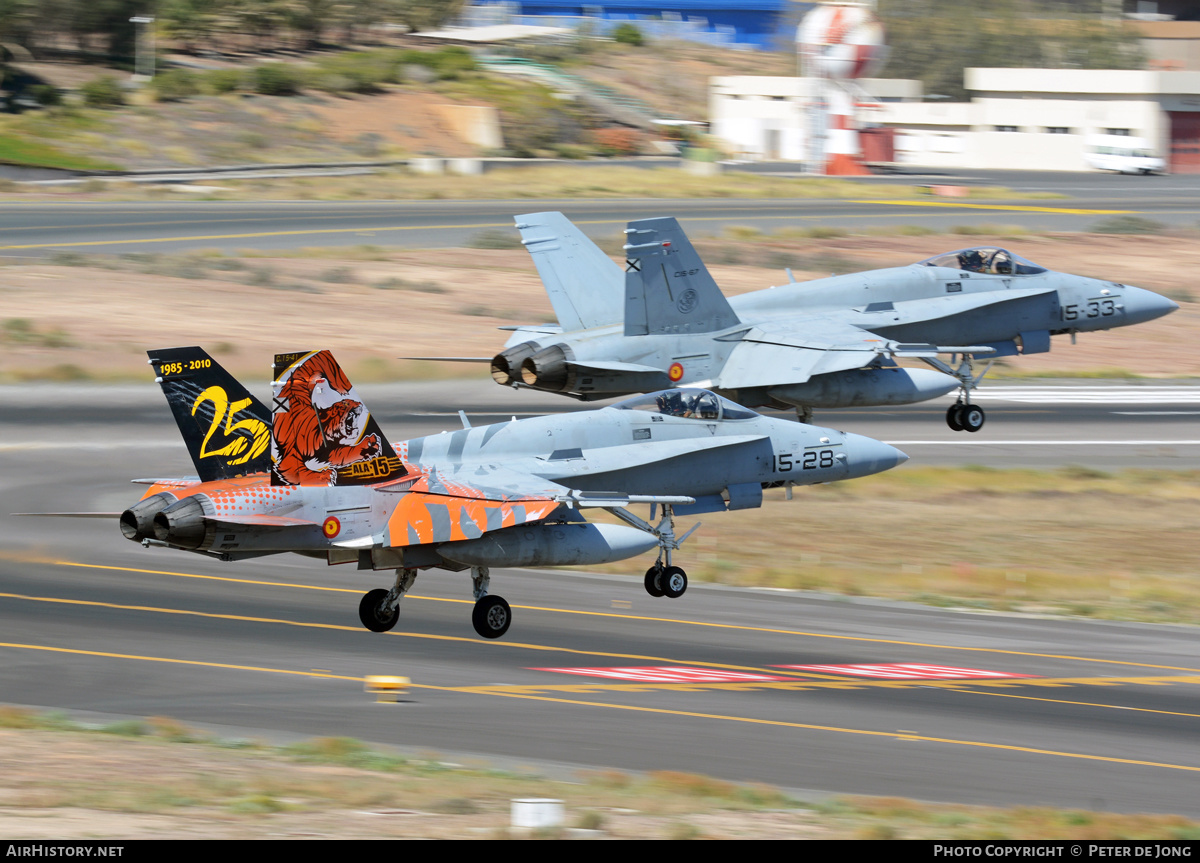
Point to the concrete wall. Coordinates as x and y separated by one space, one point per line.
474 124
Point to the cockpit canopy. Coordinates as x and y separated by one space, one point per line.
985 259
688 403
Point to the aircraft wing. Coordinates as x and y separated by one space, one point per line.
467 501
793 351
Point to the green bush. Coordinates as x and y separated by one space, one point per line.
1128 225
47 95
359 72
448 63
277 79
629 34
103 92
174 85
224 80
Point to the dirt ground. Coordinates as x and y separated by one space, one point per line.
73 317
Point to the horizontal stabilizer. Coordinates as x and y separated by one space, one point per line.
449 359
72 514
600 366
261 521
584 284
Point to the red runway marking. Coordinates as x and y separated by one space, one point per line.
906 671
668 674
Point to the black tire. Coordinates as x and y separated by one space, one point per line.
953 417
491 616
368 611
674 582
654 581
972 418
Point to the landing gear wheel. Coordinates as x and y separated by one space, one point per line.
972 418
369 614
954 417
654 583
674 582
491 616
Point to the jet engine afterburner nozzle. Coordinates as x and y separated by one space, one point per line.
548 370
506 365
137 522
181 524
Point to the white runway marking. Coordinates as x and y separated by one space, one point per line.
1044 442
1091 395
76 445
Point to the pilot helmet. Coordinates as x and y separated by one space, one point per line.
971 260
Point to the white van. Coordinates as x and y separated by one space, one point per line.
1122 154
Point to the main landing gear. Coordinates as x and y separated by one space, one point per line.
962 415
380 609
491 615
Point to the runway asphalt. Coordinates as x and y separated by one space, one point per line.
34 229
1106 718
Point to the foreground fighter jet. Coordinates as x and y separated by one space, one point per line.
319 478
827 343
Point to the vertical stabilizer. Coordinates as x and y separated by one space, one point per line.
667 287
322 433
584 285
227 430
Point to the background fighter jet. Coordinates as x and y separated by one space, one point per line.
332 487
827 343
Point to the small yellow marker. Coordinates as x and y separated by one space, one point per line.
386 688
622 603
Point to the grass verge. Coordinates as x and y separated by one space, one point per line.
1071 541
157 777
587 180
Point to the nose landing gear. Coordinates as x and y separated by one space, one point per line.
662 579
962 415
965 417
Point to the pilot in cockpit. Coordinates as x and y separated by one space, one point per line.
971 261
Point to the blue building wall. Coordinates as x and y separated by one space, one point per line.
751 23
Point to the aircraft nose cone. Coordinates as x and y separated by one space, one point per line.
866 455
1143 305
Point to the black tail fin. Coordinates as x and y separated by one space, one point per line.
667 287
227 430
322 433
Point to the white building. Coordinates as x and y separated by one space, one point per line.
766 118
1017 118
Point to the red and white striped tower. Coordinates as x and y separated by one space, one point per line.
838 43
